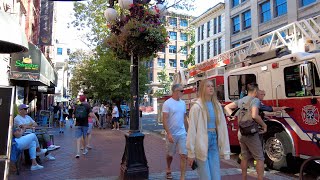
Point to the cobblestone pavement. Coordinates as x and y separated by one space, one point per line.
103 161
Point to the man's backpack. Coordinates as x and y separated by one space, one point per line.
247 124
81 112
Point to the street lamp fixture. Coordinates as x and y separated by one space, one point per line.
134 163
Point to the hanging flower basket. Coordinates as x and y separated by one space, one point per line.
140 31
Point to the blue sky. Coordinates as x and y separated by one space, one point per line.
72 37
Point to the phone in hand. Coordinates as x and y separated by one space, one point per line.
194 165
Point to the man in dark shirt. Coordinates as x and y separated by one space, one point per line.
82 124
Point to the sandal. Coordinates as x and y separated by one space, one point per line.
169 175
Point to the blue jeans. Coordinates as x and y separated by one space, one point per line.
210 169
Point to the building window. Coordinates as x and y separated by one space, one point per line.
219 45
151 76
199 34
307 2
173 35
208 50
151 63
172 49
215 26
215 47
219 24
208 29
184 22
202 32
171 76
163 50
235 45
246 19
247 40
265 12
281 7
182 64
235 3
183 36
173 62
161 62
59 51
184 50
236 24
199 54
202 52
173 22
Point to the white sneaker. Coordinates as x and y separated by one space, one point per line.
42 151
53 147
50 157
85 151
36 167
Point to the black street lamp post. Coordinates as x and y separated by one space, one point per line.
134 163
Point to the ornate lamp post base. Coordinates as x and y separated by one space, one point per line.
134 165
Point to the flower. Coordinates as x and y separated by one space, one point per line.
140 32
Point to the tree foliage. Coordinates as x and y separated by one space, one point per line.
165 83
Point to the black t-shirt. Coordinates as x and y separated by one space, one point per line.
83 121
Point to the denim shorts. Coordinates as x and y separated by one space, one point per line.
180 142
81 131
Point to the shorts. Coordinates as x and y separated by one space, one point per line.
251 147
115 119
81 131
89 128
178 141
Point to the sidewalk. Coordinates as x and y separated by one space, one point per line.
103 161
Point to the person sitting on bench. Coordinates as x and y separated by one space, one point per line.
29 141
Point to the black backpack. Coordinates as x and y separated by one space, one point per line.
81 112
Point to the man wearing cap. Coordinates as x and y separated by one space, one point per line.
26 122
82 113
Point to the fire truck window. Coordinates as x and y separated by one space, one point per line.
220 92
293 85
238 85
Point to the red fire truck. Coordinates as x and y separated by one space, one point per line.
286 64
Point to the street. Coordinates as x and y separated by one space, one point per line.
150 124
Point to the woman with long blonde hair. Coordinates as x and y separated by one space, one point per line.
207 134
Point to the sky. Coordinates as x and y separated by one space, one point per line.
72 37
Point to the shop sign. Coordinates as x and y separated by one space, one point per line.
26 64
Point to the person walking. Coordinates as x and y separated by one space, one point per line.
208 132
250 145
82 113
102 116
175 125
115 116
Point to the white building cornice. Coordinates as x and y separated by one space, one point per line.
220 7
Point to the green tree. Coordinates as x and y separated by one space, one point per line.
165 84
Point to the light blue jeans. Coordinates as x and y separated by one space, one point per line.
29 141
210 169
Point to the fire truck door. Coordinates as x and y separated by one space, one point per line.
265 83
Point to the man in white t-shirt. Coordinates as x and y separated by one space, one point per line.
115 116
175 125
25 122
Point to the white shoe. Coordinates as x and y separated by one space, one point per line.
36 167
85 151
50 157
42 151
53 147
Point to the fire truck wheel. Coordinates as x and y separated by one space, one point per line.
278 150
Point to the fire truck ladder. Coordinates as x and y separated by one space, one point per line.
294 36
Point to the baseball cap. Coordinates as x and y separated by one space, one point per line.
23 106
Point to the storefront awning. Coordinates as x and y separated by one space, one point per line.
32 66
12 38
